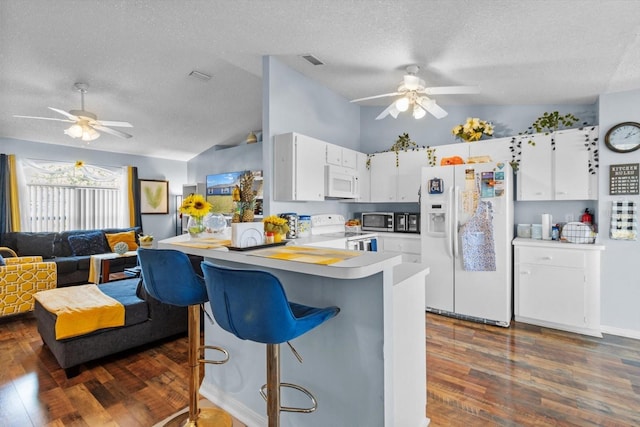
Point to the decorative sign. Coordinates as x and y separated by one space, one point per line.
623 179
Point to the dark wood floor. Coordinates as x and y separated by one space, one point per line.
478 375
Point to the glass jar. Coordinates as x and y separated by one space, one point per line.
269 238
304 226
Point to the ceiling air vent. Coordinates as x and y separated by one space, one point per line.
312 59
199 75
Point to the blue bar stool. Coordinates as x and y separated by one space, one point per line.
252 305
168 276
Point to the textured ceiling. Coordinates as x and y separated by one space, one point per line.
136 57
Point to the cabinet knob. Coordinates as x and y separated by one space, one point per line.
525 273
547 258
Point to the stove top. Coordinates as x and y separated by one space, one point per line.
332 225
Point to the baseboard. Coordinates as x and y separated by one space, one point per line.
236 408
628 333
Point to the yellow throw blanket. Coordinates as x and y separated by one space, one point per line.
81 309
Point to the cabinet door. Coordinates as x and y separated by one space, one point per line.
534 174
551 293
571 165
499 149
383 176
410 165
364 178
349 158
309 172
334 155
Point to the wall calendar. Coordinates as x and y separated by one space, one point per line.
624 179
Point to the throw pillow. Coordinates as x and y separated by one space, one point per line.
128 237
2 262
87 244
35 244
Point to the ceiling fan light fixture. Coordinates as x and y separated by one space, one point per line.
418 112
89 133
74 131
402 104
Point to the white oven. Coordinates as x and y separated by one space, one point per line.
333 226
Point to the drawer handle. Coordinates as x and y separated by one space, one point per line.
525 273
547 258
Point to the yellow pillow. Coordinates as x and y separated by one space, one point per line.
129 237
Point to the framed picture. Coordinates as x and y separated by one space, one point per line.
154 197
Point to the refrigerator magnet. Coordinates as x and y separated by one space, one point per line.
436 186
487 184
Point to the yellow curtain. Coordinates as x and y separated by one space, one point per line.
133 190
14 206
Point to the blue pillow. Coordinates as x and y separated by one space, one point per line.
88 243
2 262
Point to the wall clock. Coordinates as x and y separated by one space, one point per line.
623 137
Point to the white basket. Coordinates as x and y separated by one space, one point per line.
578 232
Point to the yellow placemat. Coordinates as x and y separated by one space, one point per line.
205 243
323 256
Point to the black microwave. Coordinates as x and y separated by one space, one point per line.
377 221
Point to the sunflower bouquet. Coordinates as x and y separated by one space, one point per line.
276 224
197 207
473 129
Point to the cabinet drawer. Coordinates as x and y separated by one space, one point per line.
398 244
555 257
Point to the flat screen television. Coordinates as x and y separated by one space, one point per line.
220 190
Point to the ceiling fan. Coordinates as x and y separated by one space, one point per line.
85 124
414 93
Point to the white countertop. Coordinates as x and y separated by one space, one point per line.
556 244
364 265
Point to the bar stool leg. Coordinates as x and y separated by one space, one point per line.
273 384
194 365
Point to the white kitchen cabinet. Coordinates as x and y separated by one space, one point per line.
498 149
298 175
556 170
410 164
557 285
341 156
406 243
364 178
383 177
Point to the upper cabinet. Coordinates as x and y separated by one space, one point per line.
497 149
559 166
341 156
298 175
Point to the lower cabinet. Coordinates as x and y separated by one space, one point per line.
407 244
557 285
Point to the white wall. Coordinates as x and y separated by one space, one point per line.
161 226
232 159
294 103
620 279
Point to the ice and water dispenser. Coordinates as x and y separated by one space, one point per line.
436 219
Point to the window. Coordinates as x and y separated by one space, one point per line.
73 196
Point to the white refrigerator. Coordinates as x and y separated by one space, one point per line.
466 233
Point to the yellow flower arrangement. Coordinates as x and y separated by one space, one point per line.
276 224
472 129
195 205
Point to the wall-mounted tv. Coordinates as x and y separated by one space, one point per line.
220 190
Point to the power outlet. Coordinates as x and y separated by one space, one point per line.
568 218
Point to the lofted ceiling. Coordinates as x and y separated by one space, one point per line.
136 57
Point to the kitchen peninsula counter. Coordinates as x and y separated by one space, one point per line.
366 366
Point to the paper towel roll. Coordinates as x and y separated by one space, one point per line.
546 226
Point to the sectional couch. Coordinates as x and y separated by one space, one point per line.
57 247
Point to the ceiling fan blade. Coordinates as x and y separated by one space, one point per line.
451 90
45 118
376 96
391 109
64 113
110 131
431 106
116 124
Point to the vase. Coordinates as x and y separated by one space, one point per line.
277 237
195 226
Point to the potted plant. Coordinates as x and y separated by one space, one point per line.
276 225
473 129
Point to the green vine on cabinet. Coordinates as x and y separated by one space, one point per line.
404 143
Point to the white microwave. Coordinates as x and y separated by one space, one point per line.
341 183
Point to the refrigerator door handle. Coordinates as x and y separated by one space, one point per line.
454 227
448 226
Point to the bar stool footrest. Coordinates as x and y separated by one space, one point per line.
216 348
263 393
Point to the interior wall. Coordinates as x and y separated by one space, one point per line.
160 226
620 287
232 159
294 103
